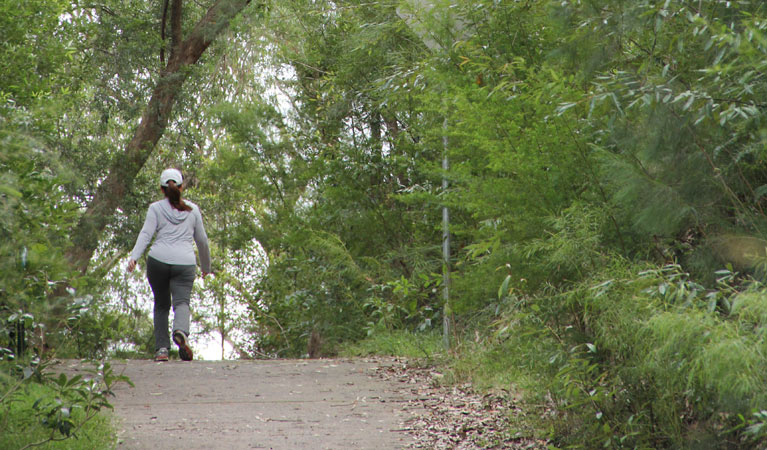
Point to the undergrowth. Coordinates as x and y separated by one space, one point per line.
41 408
23 427
426 345
633 358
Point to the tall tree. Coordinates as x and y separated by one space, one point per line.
185 52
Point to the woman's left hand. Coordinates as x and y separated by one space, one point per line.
131 265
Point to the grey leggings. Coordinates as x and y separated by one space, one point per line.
170 281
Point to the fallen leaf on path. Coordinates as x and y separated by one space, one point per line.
456 417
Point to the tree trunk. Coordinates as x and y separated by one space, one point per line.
154 120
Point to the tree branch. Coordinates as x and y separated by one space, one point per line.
163 22
111 192
176 36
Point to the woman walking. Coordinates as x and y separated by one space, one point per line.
171 263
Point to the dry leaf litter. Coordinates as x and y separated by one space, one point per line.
456 417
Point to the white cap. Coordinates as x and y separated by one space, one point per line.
171 174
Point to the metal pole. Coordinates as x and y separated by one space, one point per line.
446 311
410 15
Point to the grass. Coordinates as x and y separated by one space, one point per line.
397 343
488 365
20 426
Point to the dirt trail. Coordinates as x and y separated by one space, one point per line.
283 404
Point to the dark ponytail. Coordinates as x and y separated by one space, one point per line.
173 193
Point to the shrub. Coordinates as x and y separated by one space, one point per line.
40 407
648 359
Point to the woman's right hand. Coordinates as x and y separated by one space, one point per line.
131 265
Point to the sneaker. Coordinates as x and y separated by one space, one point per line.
179 337
161 354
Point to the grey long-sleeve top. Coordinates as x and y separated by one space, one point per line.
176 230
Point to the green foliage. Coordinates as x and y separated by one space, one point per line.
312 289
633 357
574 248
35 218
401 304
39 407
605 164
40 182
677 98
34 49
92 329
397 343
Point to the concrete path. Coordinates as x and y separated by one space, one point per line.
281 404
